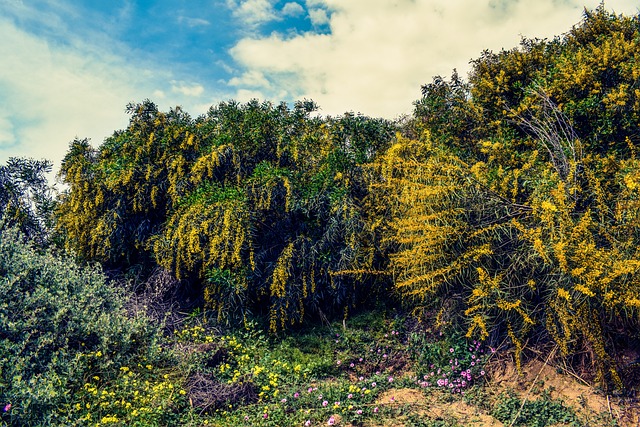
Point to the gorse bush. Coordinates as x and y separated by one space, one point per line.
60 324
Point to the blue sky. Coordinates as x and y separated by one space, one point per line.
69 67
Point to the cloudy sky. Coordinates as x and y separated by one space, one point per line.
69 67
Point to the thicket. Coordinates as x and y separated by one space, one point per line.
61 326
506 205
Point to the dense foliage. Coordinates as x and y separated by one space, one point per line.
60 326
259 205
519 214
506 206
26 200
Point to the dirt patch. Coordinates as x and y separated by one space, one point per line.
538 378
436 407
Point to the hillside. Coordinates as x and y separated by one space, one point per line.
475 262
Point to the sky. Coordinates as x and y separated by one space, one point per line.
70 67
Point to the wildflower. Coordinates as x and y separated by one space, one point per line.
373 384
338 362
283 401
360 378
7 407
451 350
336 404
307 423
309 390
296 395
384 356
331 421
360 360
351 365
375 410
349 396
265 416
325 403
390 379
359 412
246 417
481 372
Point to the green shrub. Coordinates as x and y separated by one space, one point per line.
60 325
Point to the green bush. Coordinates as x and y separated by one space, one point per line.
60 325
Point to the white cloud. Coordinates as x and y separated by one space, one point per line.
379 53
251 78
318 17
7 135
187 89
253 12
292 9
193 22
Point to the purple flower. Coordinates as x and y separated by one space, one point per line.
7 407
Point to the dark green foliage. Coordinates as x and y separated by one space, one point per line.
26 199
534 413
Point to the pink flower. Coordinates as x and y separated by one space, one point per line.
307 423
349 396
246 417
331 421
7 407
351 365
481 372
265 416
451 350
309 390
325 403
375 410
359 412
390 379
296 395
373 384
283 401
338 362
